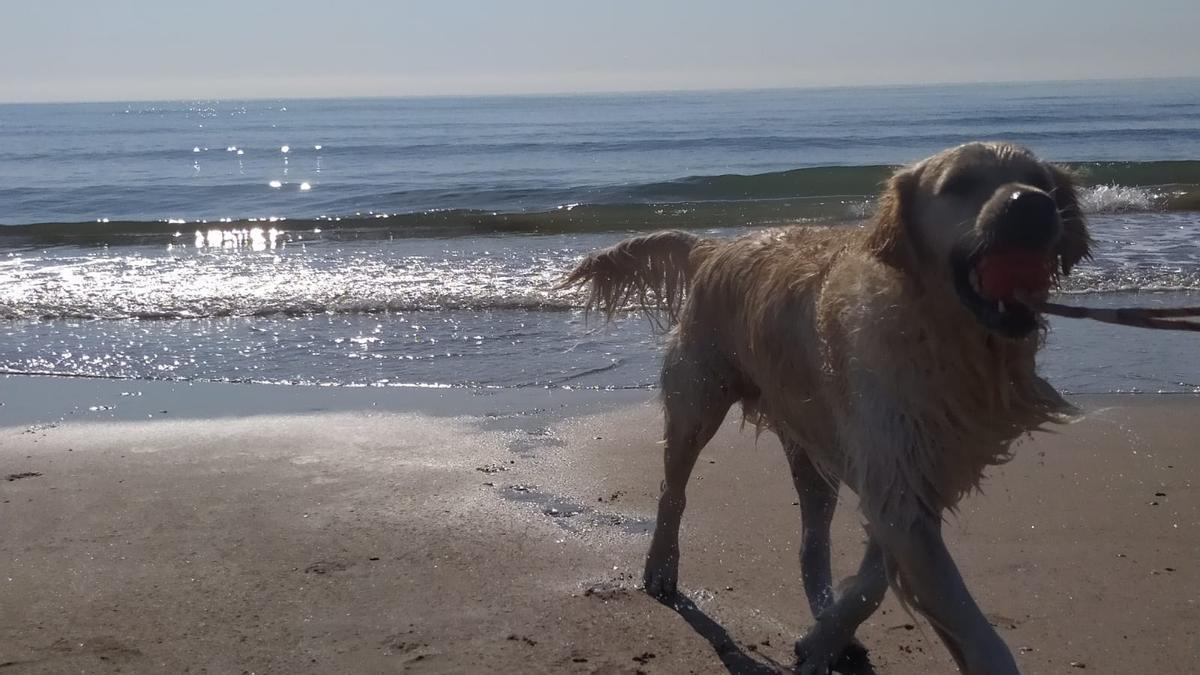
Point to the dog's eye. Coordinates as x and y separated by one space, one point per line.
959 184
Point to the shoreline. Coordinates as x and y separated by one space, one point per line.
509 535
56 399
44 399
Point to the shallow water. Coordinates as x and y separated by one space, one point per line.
471 312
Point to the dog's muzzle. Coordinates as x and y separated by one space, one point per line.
1025 219
1007 271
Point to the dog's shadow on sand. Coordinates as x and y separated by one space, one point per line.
739 661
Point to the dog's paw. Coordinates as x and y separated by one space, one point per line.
853 657
661 582
661 576
820 654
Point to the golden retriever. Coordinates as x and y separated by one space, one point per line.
897 358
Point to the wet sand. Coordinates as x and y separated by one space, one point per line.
451 533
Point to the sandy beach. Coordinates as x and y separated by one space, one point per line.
241 529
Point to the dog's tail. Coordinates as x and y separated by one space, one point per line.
651 272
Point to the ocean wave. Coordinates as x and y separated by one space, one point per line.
289 280
200 289
1120 199
367 265
827 193
566 218
291 308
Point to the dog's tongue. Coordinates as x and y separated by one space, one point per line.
1003 273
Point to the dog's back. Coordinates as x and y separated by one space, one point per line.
746 309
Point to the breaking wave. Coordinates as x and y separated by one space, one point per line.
830 193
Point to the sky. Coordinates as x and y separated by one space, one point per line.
76 50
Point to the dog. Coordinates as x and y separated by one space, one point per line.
896 358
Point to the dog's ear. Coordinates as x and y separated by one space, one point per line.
1076 243
891 239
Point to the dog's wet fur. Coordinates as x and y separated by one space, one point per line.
880 362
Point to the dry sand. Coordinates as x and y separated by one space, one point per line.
385 541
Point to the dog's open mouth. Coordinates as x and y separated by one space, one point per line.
1004 287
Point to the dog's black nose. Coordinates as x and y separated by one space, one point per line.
1030 218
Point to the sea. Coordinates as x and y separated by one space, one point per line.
415 242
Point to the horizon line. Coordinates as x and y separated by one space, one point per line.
548 93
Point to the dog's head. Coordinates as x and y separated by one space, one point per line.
990 220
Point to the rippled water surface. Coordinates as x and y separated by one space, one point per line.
416 242
477 311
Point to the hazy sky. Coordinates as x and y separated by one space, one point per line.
155 49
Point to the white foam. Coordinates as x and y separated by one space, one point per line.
1118 199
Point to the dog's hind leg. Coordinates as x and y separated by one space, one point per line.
818 499
696 398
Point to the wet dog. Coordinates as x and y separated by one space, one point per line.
896 358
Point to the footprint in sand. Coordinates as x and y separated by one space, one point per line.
326 567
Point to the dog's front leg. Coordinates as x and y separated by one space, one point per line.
818 497
831 640
930 581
